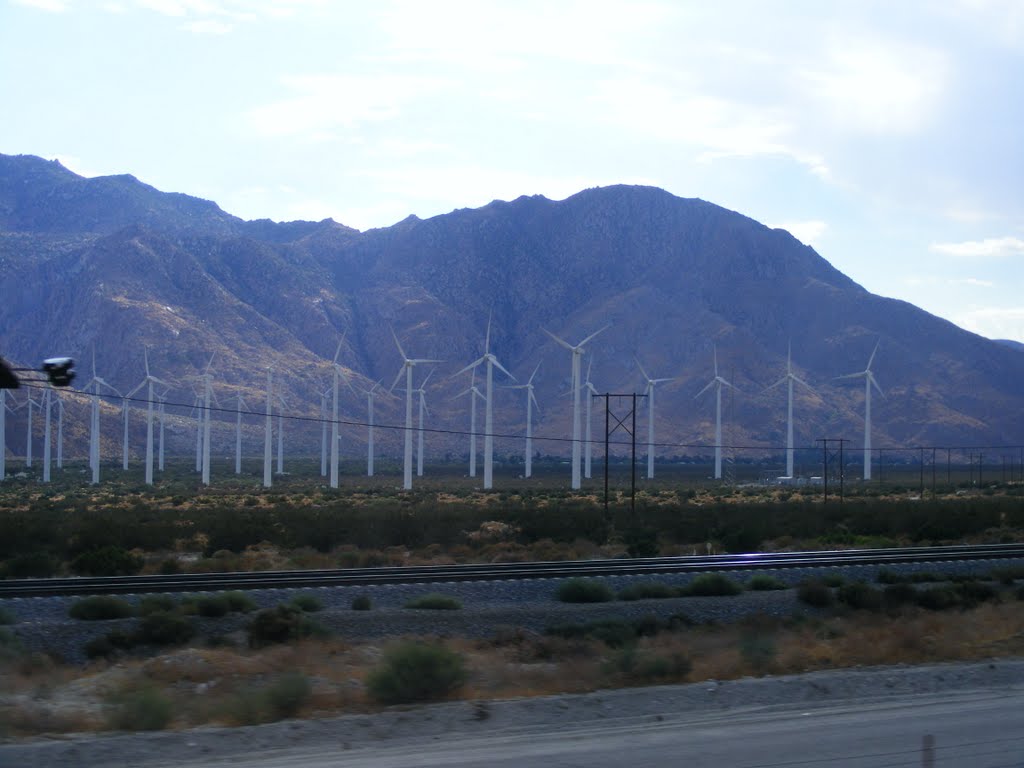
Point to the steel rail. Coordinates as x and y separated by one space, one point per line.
210 582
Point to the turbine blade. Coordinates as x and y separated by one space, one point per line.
641 367
783 380
708 386
563 342
471 367
600 330
501 368
421 361
871 378
530 380
534 398
338 350
798 380
398 378
872 358
399 345
487 337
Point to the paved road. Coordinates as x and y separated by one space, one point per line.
972 729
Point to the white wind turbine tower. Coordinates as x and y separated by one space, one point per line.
282 404
323 433
338 373
422 392
60 430
239 407
531 400
473 393
869 381
718 382
30 403
94 419
268 431
148 382
491 361
789 379
649 391
46 433
162 398
577 354
407 365
207 418
197 409
371 394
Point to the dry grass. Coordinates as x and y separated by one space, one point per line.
218 685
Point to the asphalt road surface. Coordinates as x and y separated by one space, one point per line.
970 729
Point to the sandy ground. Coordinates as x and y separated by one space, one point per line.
408 725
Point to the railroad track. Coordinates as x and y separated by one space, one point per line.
213 582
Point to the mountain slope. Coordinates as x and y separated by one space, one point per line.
114 264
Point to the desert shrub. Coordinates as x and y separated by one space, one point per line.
815 593
153 603
896 595
144 710
307 603
6 617
101 608
283 624
10 646
212 606
938 598
1008 574
434 602
31 565
887 576
647 590
709 584
762 582
973 592
165 628
758 649
239 602
641 542
833 580
169 566
362 603
740 540
412 672
110 644
860 596
578 590
287 695
107 561
632 664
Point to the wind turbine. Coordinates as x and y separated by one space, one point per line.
371 394
268 431
162 397
531 400
280 432
869 381
789 379
207 418
94 419
28 442
323 433
473 393
718 382
148 382
238 434
577 354
491 361
197 409
407 365
46 433
649 391
338 372
422 392
60 430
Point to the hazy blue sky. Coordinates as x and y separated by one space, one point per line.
887 135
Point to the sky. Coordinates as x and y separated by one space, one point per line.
887 135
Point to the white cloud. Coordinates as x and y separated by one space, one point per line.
877 87
993 247
323 103
208 27
994 322
53 6
807 232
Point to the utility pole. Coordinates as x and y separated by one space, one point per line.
620 423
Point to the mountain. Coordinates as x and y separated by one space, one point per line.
111 263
